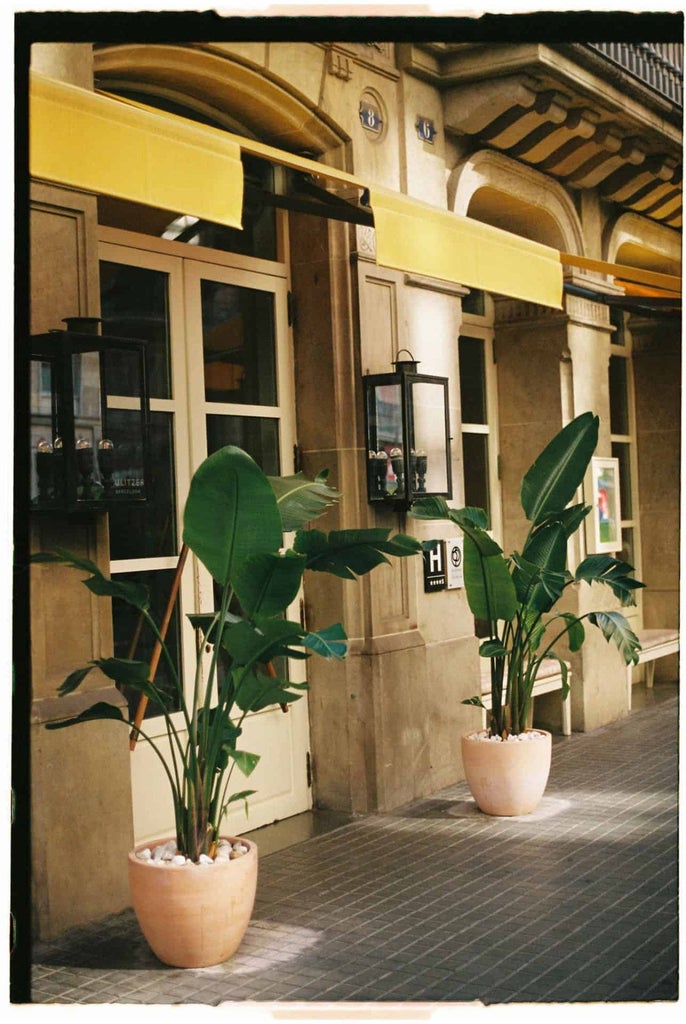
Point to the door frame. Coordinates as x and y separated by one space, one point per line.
187 265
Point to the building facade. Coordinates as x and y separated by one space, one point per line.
262 336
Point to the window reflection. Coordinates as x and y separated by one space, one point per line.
238 344
256 435
134 303
149 530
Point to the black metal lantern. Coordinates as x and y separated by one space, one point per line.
407 429
89 417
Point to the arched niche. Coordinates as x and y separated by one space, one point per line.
638 242
230 92
494 189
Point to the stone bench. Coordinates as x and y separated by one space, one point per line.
549 678
655 643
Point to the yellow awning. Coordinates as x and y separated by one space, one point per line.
81 138
414 236
668 284
122 148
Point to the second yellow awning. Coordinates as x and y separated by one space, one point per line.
414 236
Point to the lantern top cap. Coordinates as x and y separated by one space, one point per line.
405 365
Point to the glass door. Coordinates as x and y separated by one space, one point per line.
220 368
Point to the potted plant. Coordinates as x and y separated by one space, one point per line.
194 909
506 765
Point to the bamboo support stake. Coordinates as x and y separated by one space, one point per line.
157 650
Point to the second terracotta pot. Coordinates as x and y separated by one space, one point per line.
194 915
508 778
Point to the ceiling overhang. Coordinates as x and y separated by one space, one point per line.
555 111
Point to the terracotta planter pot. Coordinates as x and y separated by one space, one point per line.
507 779
194 915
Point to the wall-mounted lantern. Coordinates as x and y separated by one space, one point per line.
89 417
407 430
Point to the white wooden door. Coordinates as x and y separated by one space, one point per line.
221 372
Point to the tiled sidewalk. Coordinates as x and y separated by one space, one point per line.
438 903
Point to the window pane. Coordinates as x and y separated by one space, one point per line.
627 554
472 380
622 451
257 436
474 303
149 530
475 455
238 344
134 304
134 639
619 402
617 321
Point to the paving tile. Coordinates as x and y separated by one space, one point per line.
561 909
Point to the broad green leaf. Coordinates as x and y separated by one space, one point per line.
267 583
229 732
74 680
435 507
99 712
475 702
241 796
615 627
576 633
67 558
330 642
231 513
430 508
204 621
564 672
249 644
300 499
347 553
570 519
133 674
259 691
612 572
245 761
493 649
540 574
551 482
133 593
124 670
490 590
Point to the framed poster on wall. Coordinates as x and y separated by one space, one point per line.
605 519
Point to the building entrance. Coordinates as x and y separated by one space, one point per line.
220 372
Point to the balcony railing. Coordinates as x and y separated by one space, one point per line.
658 65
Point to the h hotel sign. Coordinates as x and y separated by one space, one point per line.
434 567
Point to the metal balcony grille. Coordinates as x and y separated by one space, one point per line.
658 65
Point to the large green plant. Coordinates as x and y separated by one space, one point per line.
234 521
516 595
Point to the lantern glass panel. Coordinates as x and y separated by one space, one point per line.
385 425
45 475
429 459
